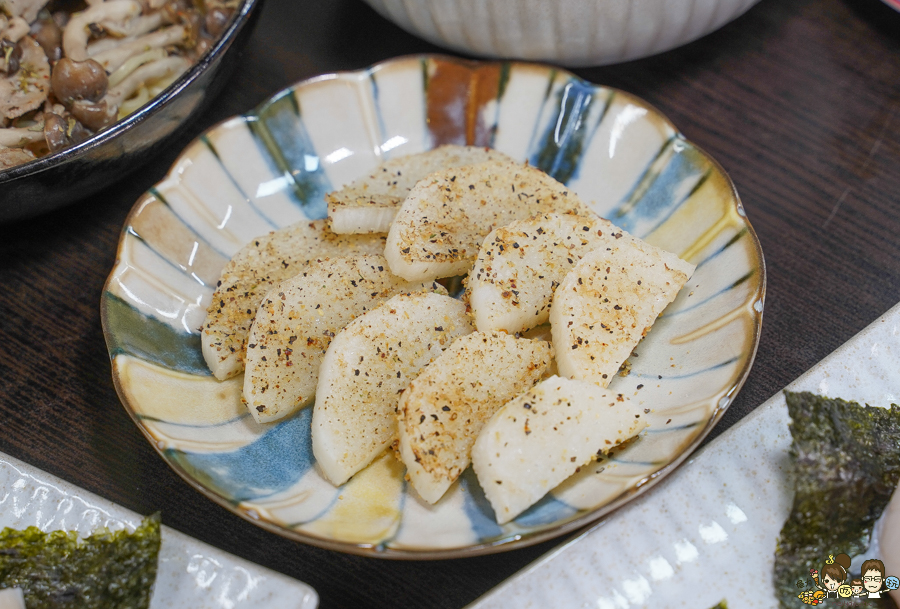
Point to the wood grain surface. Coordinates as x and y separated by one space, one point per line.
799 100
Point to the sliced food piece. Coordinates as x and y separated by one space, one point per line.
542 437
607 303
298 318
253 271
366 367
520 265
442 411
445 218
368 205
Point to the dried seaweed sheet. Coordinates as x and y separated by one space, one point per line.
58 570
847 464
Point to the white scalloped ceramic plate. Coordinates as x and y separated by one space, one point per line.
191 575
708 532
272 167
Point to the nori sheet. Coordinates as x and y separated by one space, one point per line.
57 570
847 465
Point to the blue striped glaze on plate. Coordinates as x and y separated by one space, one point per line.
271 168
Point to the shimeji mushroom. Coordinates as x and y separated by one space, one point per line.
133 27
136 27
13 29
26 9
113 58
77 31
16 137
97 115
78 80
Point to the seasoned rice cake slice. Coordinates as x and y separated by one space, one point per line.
444 408
520 265
442 223
545 435
253 271
296 321
608 302
366 367
369 204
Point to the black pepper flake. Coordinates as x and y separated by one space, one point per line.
422 419
641 386
356 373
439 328
445 408
669 421
471 187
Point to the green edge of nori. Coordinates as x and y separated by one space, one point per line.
58 570
846 465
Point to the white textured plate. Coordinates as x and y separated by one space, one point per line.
192 575
272 167
708 532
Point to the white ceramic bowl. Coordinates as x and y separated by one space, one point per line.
566 32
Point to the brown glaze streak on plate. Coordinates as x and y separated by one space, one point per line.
447 83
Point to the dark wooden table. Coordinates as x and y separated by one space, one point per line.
799 100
